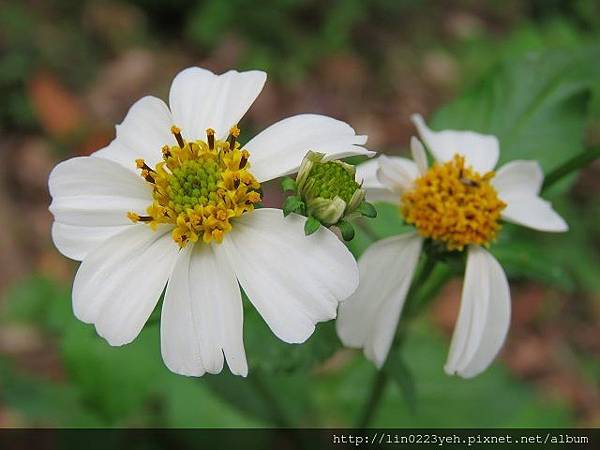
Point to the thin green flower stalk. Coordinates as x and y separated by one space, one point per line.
327 194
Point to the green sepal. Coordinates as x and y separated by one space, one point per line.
346 229
289 184
367 210
292 204
311 225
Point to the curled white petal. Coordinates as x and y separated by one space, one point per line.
418 154
397 174
484 316
481 151
279 149
366 173
518 184
368 319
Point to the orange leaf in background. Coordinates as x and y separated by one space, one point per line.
58 110
95 140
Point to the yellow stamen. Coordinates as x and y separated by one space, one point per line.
141 164
454 204
234 133
244 159
199 189
210 135
137 218
177 133
146 175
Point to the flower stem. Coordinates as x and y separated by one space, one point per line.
278 415
576 162
381 377
375 395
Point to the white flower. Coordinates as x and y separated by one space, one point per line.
189 223
457 203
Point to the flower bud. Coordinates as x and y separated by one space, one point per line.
325 190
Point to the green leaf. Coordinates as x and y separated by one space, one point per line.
367 210
288 184
535 105
292 204
400 373
347 230
311 225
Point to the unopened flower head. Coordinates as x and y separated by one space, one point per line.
328 193
457 204
173 201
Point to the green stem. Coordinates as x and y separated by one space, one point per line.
381 378
278 415
576 162
375 396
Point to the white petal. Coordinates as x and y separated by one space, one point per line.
279 149
533 212
366 173
76 241
369 318
202 316
119 282
217 310
201 99
481 151
90 200
293 280
179 343
519 178
484 316
397 174
145 129
419 155
518 184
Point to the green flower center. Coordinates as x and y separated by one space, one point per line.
194 183
330 179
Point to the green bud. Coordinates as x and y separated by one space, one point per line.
328 188
326 192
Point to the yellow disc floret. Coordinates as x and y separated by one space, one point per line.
199 187
454 204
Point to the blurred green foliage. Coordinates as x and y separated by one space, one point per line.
129 386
